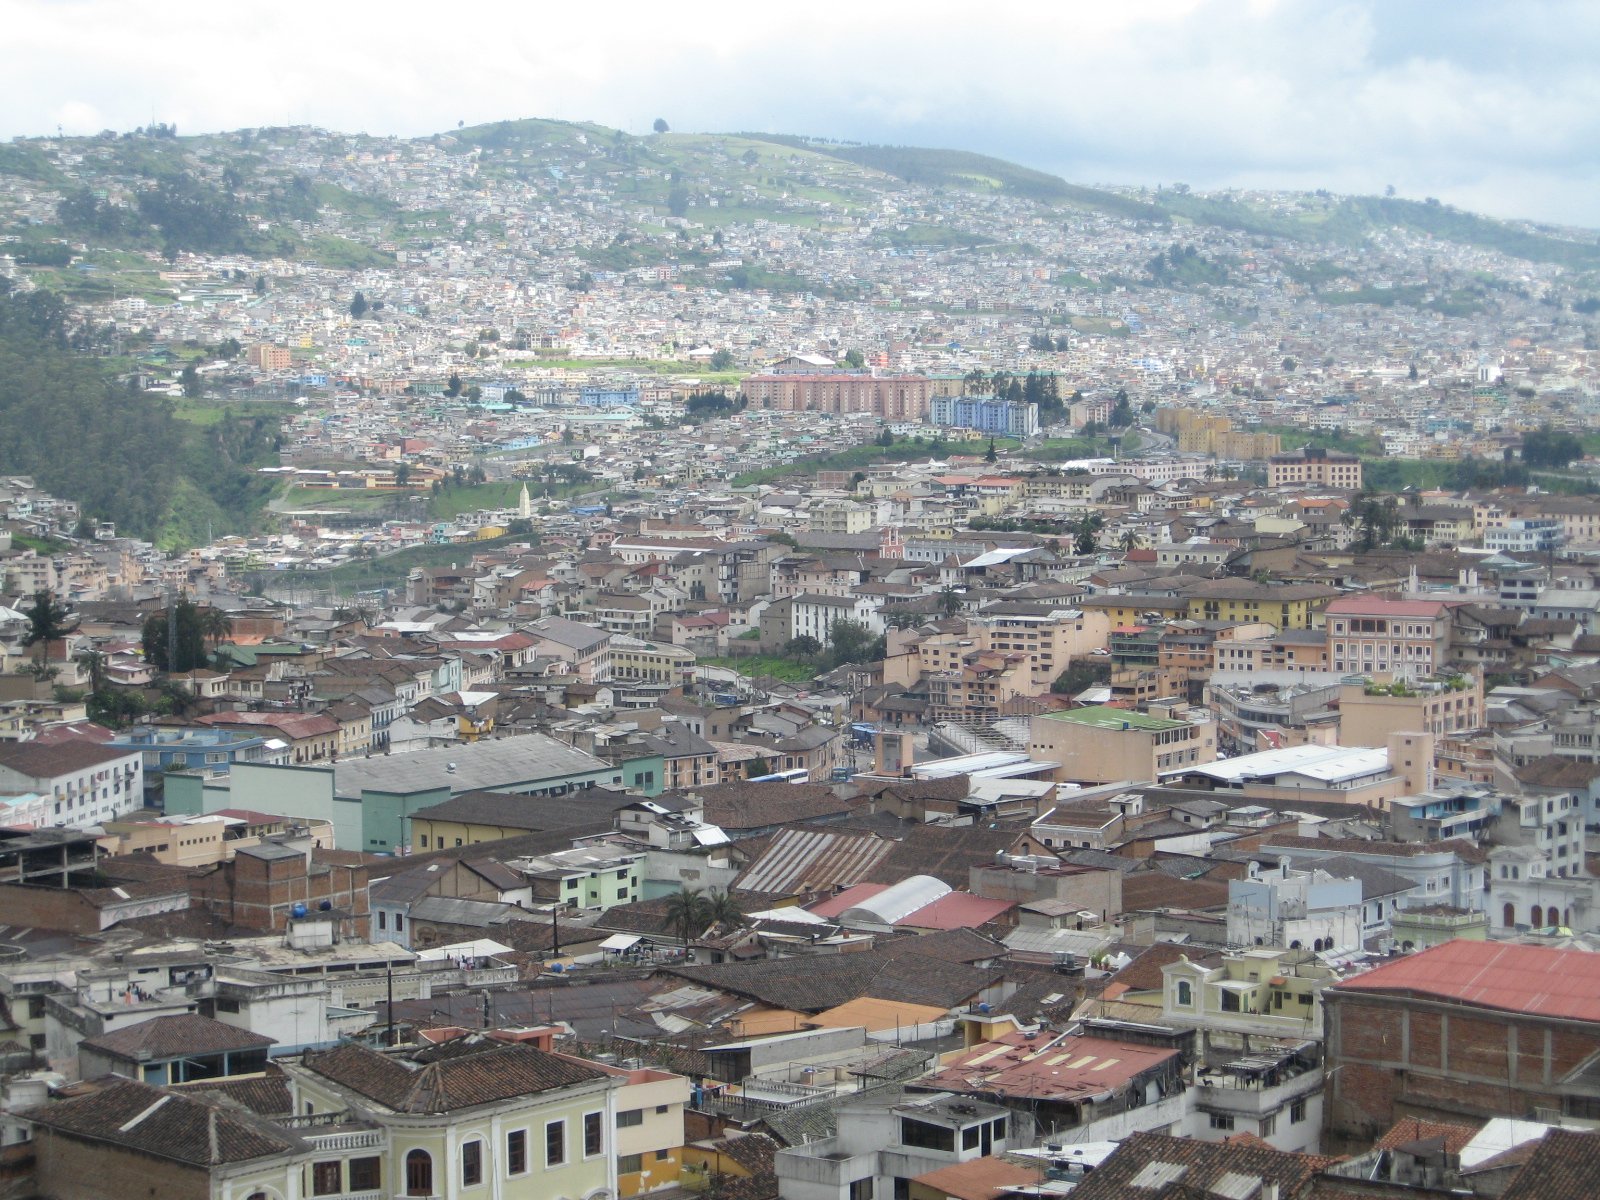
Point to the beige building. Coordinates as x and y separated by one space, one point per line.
1315 465
1107 745
1371 712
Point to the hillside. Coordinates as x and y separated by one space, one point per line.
121 455
234 193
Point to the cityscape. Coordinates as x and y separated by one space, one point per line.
545 660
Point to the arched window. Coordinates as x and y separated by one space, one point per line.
1536 917
1408 947
1185 993
1295 945
1509 915
1317 945
419 1173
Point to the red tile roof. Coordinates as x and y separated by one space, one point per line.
1514 978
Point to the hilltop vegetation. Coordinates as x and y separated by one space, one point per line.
121 455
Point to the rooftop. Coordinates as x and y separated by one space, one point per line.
1103 716
1564 984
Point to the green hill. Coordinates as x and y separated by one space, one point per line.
122 455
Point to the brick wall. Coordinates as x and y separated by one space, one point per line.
70 1169
1394 1056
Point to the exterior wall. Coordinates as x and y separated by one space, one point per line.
441 1136
97 793
78 1169
1370 720
1092 753
1391 1056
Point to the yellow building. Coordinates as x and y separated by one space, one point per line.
503 1117
1286 606
649 1141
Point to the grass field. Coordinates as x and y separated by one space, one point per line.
786 669
390 571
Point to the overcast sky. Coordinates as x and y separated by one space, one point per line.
1483 103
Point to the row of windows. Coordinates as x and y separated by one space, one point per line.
419 1163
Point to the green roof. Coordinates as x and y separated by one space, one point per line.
1103 716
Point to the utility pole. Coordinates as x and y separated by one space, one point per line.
389 980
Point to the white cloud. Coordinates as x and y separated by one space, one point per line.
1439 99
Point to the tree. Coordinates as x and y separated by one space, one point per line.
722 909
194 629
991 455
48 621
1122 414
686 912
452 387
855 359
402 474
804 646
885 437
1086 532
660 125
949 601
852 641
215 625
358 306
722 360
190 378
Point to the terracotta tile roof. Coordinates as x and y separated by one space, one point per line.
1143 974
1155 889
176 1036
164 1124
812 983
740 806
1414 1129
266 1094
1565 1163
494 1071
1189 1163
48 760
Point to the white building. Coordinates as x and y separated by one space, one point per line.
84 782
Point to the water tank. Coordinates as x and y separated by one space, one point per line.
325 906
299 910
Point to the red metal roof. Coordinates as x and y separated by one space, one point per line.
1514 978
1380 606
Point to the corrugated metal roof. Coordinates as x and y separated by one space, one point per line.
1515 978
800 860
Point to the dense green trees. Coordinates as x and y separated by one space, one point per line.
121 455
1547 447
198 631
49 620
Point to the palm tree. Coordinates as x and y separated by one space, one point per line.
1130 540
48 621
722 909
686 911
94 662
215 625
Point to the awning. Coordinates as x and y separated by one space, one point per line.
621 941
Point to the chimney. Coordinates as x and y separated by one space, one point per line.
1269 1189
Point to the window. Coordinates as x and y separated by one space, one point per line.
1185 993
594 1141
555 1143
383 919
326 1178
970 1136
419 1173
471 1163
1269 1125
926 1137
517 1152
629 1117
861 1189
1297 1112
630 1164
1221 1121
366 1174
422 841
